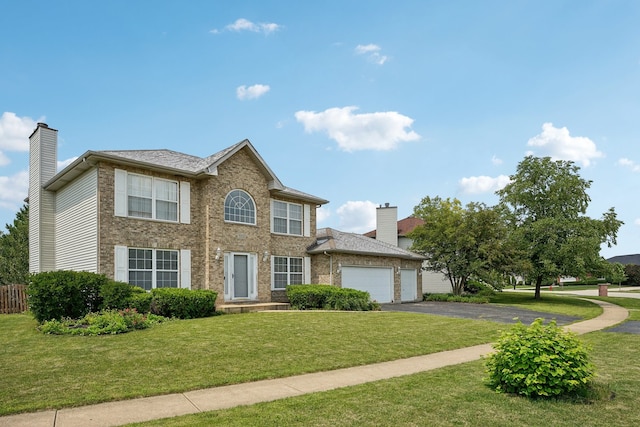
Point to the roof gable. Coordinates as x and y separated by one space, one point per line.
176 163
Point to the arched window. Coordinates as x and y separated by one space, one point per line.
239 207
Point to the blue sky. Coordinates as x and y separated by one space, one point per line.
358 102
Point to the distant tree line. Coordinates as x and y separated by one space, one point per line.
14 250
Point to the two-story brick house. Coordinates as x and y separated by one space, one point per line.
159 218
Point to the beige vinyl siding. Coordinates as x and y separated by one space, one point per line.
42 167
77 224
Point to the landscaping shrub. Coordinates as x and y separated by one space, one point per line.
327 297
140 300
539 361
474 299
183 303
117 295
58 294
480 289
102 323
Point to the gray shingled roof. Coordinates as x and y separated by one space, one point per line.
166 158
174 162
331 240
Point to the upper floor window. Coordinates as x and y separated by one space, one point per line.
143 196
149 197
287 218
239 207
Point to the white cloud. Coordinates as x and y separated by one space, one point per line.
637 222
372 51
560 145
322 214
246 25
61 164
15 131
4 160
368 131
357 216
496 161
13 190
251 92
629 164
483 184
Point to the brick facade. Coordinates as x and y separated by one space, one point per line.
208 230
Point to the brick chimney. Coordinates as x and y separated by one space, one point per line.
387 224
43 156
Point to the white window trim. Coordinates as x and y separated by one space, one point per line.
121 264
305 221
121 202
304 272
255 209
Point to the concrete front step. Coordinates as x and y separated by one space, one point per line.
251 307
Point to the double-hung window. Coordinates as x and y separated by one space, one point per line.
149 197
153 268
287 271
287 218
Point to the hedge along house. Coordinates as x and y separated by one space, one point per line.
389 273
159 218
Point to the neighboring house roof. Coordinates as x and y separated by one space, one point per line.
330 240
626 259
404 226
174 163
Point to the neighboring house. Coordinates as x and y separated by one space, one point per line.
394 232
388 272
159 218
625 259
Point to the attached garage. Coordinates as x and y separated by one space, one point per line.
378 281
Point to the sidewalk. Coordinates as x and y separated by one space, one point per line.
156 407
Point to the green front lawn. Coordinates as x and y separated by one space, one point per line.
556 304
452 396
46 371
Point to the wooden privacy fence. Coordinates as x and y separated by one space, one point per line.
13 299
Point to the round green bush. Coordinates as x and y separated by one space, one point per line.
539 361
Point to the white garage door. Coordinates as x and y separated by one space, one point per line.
378 281
408 285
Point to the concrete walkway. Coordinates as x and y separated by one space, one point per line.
156 407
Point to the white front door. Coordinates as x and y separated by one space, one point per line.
240 276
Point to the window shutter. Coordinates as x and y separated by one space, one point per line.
185 202
120 195
307 221
271 215
228 269
185 268
307 270
121 261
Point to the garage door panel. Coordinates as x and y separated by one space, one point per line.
378 281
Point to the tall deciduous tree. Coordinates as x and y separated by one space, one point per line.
547 201
14 250
460 242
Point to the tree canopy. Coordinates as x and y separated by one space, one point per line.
546 203
460 242
14 250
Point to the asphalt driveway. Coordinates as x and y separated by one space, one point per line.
495 313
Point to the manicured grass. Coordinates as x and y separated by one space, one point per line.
46 371
556 304
452 396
